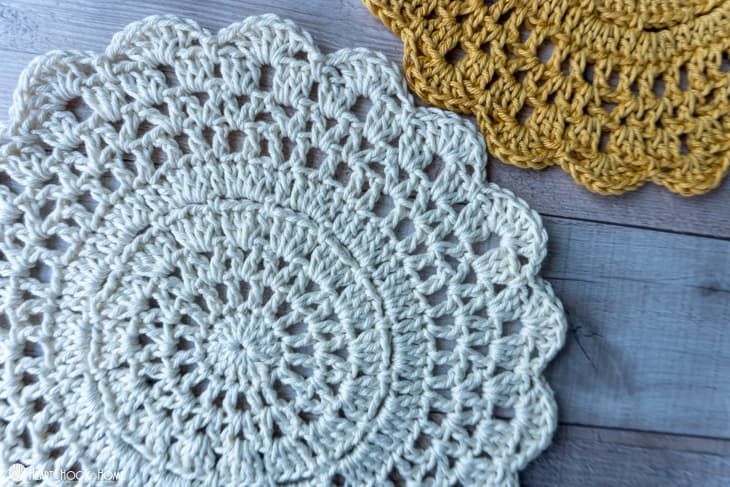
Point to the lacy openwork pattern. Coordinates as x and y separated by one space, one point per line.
616 92
229 259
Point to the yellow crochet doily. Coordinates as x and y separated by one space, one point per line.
616 92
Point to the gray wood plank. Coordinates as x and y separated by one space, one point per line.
649 316
39 25
598 457
553 192
11 65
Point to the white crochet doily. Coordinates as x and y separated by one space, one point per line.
229 259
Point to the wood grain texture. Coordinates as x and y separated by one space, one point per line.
649 317
599 457
11 65
36 26
649 307
553 192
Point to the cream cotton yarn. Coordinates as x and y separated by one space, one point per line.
230 259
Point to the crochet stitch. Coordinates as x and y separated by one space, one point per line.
616 92
229 259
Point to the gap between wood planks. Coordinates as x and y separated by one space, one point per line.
581 455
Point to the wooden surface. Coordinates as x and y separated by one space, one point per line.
643 383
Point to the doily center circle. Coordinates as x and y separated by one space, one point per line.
229 323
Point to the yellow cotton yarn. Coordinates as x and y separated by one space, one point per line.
616 92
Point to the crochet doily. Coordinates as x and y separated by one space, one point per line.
616 92
229 259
